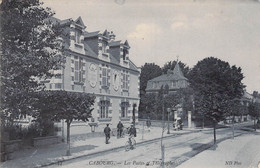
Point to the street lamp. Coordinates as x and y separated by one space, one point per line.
168 110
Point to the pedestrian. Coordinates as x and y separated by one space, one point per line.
119 129
132 131
107 133
181 124
148 123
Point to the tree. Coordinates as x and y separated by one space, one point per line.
185 98
30 48
234 109
63 105
254 111
149 104
171 65
148 72
215 85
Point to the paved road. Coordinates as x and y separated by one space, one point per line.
177 150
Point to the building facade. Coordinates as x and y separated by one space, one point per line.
96 63
174 79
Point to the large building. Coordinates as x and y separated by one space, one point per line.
174 79
97 63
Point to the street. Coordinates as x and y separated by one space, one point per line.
177 150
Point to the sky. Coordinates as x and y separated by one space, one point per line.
159 31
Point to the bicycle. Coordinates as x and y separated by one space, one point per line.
130 143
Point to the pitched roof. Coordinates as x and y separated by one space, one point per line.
246 95
132 66
177 70
91 34
53 19
114 43
176 74
65 21
106 34
113 59
80 22
126 44
89 51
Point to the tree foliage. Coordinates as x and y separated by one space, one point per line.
254 109
216 85
30 48
148 72
58 105
154 104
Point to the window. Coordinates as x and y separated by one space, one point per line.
125 80
77 36
155 84
124 109
72 87
57 85
125 52
78 72
50 86
174 84
104 104
104 47
105 76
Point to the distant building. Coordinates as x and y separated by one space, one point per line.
96 63
174 79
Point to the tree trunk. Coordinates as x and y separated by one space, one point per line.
254 123
203 123
233 129
214 132
68 138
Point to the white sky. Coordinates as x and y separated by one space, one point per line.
159 30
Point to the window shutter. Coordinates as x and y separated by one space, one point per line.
108 77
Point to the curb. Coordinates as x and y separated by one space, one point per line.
112 149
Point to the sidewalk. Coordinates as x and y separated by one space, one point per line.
46 155
241 152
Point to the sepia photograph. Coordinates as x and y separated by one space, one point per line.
130 83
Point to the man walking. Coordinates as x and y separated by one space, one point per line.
107 133
148 123
119 129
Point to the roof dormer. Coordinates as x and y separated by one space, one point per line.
77 29
80 23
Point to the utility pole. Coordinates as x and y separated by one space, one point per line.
165 91
143 132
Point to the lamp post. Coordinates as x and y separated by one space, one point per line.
168 110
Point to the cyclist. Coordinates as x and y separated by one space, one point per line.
131 132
